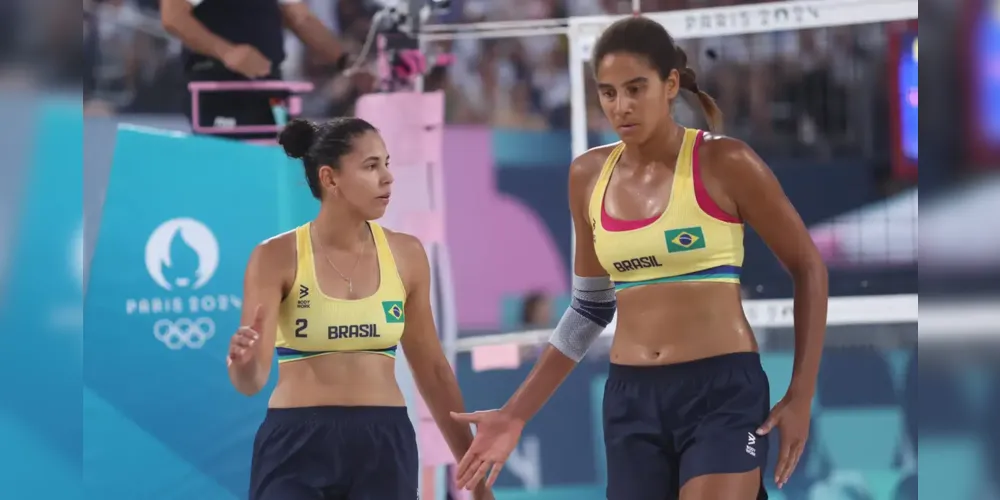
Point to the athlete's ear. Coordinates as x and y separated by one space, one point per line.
327 177
672 85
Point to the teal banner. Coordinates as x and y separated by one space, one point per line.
181 216
41 312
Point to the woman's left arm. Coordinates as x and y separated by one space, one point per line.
763 205
433 374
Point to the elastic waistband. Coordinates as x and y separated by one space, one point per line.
337 413
695 368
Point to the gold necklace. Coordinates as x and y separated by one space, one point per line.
326 255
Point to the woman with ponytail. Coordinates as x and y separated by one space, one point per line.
659 220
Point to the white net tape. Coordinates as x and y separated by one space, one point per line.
753 18
771 313
939 321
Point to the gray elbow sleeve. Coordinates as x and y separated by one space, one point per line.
589 313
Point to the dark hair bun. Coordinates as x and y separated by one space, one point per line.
297 138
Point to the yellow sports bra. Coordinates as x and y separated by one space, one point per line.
312 324
692 240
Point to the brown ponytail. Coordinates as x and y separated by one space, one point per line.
689 82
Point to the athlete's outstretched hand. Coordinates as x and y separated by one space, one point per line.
241 346
791 416
497 434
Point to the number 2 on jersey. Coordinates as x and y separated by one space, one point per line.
301 325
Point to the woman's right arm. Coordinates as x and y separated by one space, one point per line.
592 307
263 285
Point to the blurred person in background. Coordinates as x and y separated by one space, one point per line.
536 311
119 43
352 20
536 314
238 40
129 59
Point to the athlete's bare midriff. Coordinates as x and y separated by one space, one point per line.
676 322
338 379
670 323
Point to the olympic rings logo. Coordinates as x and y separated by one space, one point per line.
185 332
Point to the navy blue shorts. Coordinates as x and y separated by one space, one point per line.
335 453
664 425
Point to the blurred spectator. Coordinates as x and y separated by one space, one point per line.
785 92
231 40
130 60
536 314
113 36
536 311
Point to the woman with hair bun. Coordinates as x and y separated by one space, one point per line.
333 299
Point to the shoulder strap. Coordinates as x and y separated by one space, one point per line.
381 242
386 261
685 158
303 244
601 186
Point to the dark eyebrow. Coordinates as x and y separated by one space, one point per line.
634 81
376 158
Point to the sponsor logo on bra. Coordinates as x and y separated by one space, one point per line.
303 294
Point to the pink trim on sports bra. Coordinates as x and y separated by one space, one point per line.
705 201
613 225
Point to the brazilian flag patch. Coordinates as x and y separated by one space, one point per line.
685 239
393 310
